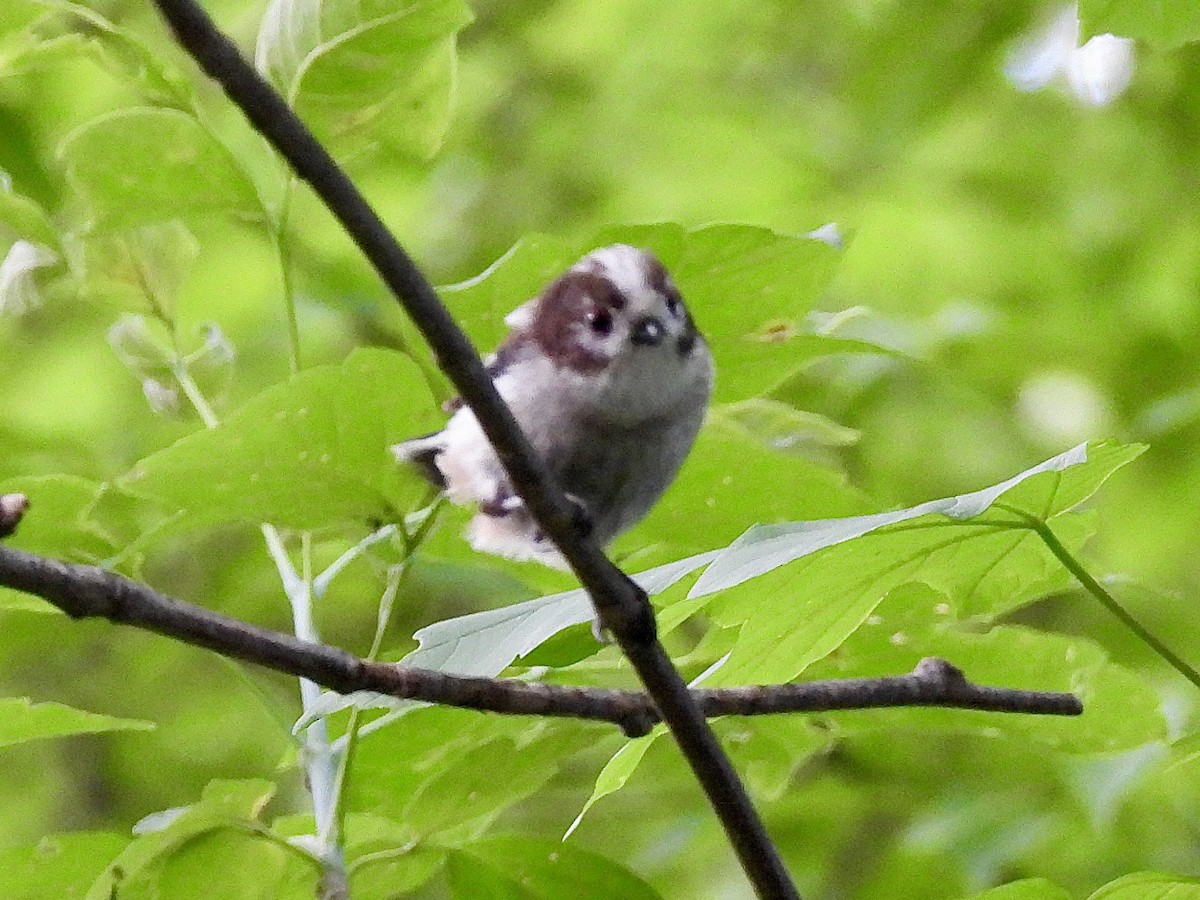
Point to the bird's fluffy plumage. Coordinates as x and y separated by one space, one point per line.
609 379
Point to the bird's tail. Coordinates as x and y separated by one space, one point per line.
421 453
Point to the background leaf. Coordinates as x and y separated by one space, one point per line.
380 72
22 720
135 166
302 454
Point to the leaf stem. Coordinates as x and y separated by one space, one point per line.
283 252
1097 590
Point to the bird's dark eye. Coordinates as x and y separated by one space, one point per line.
600 321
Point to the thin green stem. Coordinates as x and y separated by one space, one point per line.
395 577
192 391
283 252
1097 590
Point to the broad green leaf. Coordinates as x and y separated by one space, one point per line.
58 522
382 859
1185 754
235 862
540 868
59 866
1025 889
141 165
445 781
1121 710
814 583
54 525
23 720
223 804
141 268
749 289
730 482
785 428
308 453
370 73
1150 886
1163 23
24 218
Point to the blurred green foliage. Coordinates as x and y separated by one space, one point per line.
1019 276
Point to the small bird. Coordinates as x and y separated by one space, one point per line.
609 379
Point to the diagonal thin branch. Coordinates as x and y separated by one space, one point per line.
622 606
87 591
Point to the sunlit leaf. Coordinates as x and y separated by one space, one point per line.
359 74
748 288
540 868
58 866
22 720
799 590
1025 889
1150 886
223 804
141 165
308 453
1162 23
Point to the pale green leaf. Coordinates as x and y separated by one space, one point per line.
1025 889
223 804
141 165
366 73
814 583
59 866
1163 23
540 868
308 453
749 289
23 720
1150 886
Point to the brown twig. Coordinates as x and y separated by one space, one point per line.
86 591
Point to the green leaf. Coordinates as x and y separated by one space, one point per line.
517 866
617 771
731 481
141 165
1164 23
59 866
1121 710
1150 886
783 427
816 582
308 453
382 859
445 782
58 523
226 863
1025 889
223 804
24 218
366 73
22 720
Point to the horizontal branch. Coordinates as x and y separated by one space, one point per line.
83 591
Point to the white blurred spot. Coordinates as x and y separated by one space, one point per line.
18 289
1058 408
1096 73
1100 70
828 233
162 397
